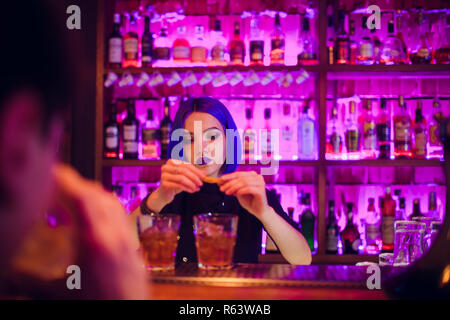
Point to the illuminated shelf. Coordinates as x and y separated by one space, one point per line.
197 69
322 258
298 163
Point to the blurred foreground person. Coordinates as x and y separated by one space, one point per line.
50 217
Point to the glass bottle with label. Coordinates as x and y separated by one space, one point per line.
384 131
287 133
435 148
219 54
111 134
307 45
131 44
256 42
402 131
369 135
130 133
150 142
372 229
199 51
277 41
267 143
249 137
416 210
306 135
352 134
420 133
353 43
308 222
334 140
162 48
366 46
400 214
387 221
181 48
432 206
342 42
420 48
147 44
350 235
237 47
332 230
392 51
165 130
115 44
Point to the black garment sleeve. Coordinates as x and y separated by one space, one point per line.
276 205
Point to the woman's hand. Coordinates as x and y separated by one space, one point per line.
176 176
250 190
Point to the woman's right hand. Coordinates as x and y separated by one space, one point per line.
176 176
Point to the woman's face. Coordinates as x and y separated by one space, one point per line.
204 142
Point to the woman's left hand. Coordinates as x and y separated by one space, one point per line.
250 190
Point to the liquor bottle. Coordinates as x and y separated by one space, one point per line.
165 128
134 201
181 48
277 41
199 51
334 141
432 206
377 46
369 136
442 52
420 48
291 216
237 47
332 230
353 45
384 131
150 142
162 48
342 42
219 54
392 51
387 222
400 214
416 210
111 134
147 44
287 133
306 135
249 137
308 222
267 146
115 44
256 42
420 133
402 131
307 45
372 229
131 44
130 133
435 148
350 235
366 46
352 134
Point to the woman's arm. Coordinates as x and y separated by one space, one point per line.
250 190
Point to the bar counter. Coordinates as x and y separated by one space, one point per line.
266 282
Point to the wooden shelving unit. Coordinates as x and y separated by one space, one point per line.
323 72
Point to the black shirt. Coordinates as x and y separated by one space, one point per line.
211 199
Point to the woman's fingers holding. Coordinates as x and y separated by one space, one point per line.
177 182
238 174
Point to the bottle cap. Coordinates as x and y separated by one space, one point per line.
117 18
248 113
286 109
277 19
267 113
402 203
217 26
150 114
305 25
391 27
352 106
383 103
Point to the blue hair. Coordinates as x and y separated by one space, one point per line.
218 110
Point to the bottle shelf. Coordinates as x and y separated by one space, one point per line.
334 70
322 258
300 163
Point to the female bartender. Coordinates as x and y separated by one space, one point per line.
183 191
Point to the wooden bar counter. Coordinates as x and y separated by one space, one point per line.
266 282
